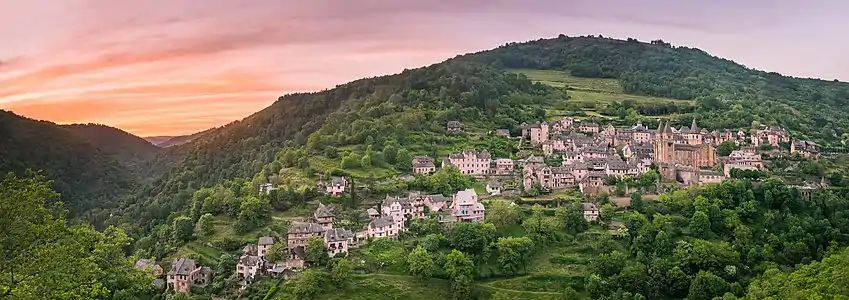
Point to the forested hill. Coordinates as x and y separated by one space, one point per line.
85 176
363 112
127 148
723 89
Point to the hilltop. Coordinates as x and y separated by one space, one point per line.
125 147
90 178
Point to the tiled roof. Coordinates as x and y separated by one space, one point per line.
589 206
322 211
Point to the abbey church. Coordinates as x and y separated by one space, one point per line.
682 154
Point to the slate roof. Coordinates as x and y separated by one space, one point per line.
265 241
494 184
381 222
182 266
337 181
372 212
303 227
423 162
249 260
322 211
438 198
338 235
455 124
589 206
144 264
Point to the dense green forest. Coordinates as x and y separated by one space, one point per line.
128 149
90 179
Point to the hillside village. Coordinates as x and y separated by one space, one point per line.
591 155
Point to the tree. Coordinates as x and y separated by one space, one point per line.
459 269
725 148
404 160
365 161
472 237
706 286
390 153
182 227
637 201
503 213
458 265
420 262
700 224
276 253
45 258
513 252
204 226
350 161
606 212
309 283
316 252
253 213
340 271
573 219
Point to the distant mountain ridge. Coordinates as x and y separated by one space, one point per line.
156 140
170 141
127 148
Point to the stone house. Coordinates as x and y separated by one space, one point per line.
706 176
403 208
563 124
591 212
149 266
337 186
423 165
337 240
471 162
436 202
805 148
538 133
249 268
592 184
323 216
299 232
494 188
589 127
384 227
263 245
746 158
372 213
503 132
454 127
503 166
466 208
185 273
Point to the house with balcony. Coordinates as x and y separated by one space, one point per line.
337 241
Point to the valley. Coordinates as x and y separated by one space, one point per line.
564 168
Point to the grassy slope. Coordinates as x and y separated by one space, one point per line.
588 92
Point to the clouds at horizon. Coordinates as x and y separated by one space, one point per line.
179 66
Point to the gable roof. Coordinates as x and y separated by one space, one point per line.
265 241
337 235
381 222
305 227
182 266
322 211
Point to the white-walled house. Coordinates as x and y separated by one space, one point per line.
493 188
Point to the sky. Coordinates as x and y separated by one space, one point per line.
171 67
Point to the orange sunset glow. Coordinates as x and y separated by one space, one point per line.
176 67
